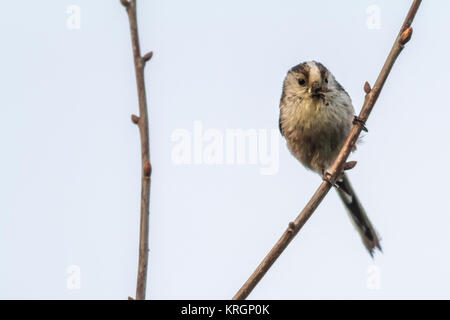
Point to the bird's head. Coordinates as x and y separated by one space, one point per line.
309 80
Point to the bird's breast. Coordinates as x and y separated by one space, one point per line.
311 117
314 130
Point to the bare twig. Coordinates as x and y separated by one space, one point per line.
336 169
142 122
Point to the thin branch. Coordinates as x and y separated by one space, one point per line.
142 122
340 162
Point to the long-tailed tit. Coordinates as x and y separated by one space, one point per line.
316 116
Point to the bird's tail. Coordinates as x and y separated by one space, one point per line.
358 215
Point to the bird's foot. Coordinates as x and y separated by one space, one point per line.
326 176
357 120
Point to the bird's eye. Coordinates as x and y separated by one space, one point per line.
326 80
301 82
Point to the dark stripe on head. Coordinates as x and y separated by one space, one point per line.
322 69
301 68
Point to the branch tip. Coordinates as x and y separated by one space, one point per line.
406 36
367 88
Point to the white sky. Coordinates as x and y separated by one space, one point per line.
70 188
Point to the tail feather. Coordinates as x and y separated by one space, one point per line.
358 215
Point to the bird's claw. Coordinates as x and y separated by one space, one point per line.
327 177
361 123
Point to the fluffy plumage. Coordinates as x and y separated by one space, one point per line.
316 116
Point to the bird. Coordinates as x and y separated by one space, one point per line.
316 116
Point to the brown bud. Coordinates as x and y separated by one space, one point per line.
148 56
134 119
367 87
350 165
147 169
291 227
406 35
130 298
125 3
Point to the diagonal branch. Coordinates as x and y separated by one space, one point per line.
340 162
142 122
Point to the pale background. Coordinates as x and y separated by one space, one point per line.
70 188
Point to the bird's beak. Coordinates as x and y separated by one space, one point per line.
316 88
